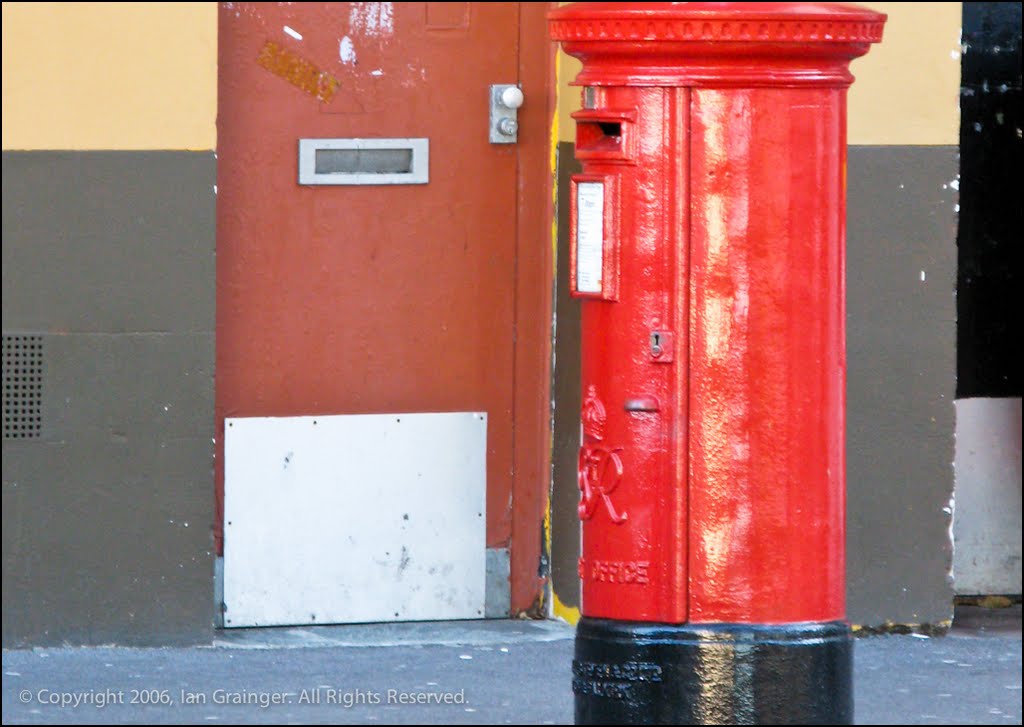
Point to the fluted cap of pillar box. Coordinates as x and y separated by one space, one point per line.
715 44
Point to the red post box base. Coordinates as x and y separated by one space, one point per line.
628 672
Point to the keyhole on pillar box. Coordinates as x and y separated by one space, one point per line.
656 348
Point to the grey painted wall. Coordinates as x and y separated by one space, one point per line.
110 256
106 515
567 394
901 333
901 380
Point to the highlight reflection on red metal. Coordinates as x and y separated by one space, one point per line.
719 129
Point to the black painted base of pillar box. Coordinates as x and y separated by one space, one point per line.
628 672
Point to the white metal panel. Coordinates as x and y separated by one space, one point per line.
987 514
358 518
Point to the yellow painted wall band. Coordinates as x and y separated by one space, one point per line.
109 75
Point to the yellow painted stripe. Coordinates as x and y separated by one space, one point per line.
569 614
109 75
554 139
144 76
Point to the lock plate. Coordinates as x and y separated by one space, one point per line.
504 121
662 346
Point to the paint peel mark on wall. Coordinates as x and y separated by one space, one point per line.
347 51
298 71
414 70
950 510
374 20
240 9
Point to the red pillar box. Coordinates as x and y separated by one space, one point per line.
707 248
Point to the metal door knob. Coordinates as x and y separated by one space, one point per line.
512 97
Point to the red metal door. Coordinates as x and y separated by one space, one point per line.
358 299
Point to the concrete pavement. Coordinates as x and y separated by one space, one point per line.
490 672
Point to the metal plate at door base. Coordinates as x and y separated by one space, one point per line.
359 518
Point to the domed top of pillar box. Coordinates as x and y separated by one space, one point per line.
715 44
